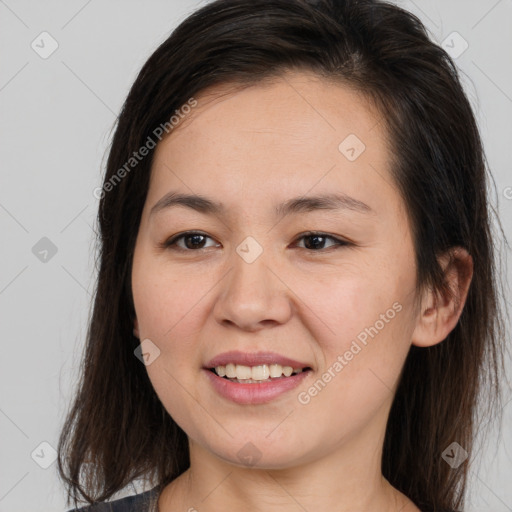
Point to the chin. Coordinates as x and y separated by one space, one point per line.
264 455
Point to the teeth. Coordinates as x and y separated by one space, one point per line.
287 370
255 373
231 371
258 372
243 372
276 370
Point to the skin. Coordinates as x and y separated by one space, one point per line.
260 146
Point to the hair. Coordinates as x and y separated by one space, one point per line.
116 429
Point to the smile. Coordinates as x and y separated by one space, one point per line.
254 374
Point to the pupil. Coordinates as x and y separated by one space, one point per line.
314 245
196 237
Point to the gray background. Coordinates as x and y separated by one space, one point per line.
56 119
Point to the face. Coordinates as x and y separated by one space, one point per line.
249 278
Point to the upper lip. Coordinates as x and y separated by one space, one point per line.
253 359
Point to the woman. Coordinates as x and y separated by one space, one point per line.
296 298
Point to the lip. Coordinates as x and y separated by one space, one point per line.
253 359
255 393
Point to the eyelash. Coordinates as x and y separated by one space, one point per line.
171 243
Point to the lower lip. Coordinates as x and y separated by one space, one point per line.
256 393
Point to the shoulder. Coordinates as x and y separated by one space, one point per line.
143 502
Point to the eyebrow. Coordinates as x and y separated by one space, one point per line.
296 205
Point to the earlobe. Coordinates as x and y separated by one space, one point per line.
440 312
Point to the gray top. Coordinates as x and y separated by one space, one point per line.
143 502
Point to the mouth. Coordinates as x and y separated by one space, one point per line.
251 378
258 374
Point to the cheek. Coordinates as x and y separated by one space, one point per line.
361 368
165 300
366 322
351 304
168 311
171 320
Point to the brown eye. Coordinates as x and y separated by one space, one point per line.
192 240
316 241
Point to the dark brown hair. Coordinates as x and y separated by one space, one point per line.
117 430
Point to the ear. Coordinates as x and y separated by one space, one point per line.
440 313
136 328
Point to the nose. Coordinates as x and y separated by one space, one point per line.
253 295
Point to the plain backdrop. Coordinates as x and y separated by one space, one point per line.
57 113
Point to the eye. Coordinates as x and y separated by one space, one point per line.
317 241
193 241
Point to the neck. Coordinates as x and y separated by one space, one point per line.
213 484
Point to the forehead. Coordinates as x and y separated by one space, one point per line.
300 105
279 138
